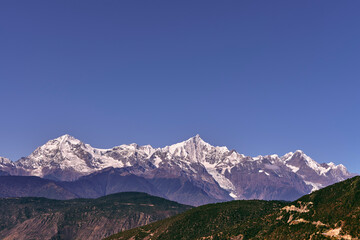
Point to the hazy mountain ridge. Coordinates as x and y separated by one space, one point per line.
30 186
104 182
192 167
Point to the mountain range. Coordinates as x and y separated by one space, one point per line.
191 172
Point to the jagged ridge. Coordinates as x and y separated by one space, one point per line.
221 173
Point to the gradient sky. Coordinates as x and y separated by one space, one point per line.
261 77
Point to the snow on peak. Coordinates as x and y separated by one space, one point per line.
287 156
257 158
66 137
197 140
5 161
67 152
331 164
187 148
197 136
338 168
194 149
61 142
301 157
299 160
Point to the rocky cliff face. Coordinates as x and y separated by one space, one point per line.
192 169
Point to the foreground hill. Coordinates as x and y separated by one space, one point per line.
41 218
205 221
330 213
190 172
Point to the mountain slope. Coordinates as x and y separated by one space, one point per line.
176 187
330 213
204 221
40 218
191 172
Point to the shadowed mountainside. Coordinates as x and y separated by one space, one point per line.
105 182
18 186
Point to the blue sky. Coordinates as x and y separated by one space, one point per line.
261 77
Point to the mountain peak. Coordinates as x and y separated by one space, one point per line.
65 137
4 160
59 145
197 142
196 139
299 152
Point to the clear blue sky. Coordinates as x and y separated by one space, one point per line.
260 77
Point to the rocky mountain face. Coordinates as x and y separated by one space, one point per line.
191 172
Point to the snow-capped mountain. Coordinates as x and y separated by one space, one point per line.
6 166
313 173
5 162
67 158
193 167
